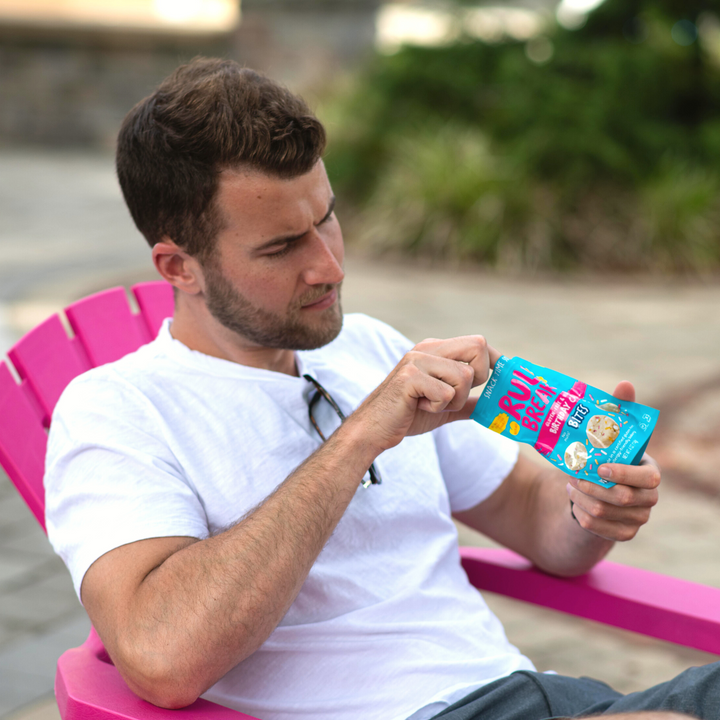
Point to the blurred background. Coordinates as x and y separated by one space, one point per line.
544 172
587 133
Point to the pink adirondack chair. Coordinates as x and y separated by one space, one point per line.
87 685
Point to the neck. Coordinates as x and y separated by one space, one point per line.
196 328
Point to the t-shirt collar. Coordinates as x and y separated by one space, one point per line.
181 353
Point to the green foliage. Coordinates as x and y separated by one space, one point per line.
430 136
445 195
682 209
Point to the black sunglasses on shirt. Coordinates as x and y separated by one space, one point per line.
375 478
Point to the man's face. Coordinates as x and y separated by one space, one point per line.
275 274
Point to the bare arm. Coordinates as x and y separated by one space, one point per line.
530 511
176 614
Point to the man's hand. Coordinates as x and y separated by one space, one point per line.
617 513
529 512
428 388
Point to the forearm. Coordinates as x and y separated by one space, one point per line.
530 514
212 604
558 544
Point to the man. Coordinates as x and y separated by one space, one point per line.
220 545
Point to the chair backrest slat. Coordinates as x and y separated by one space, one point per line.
156 302
48 360
22 443
106 326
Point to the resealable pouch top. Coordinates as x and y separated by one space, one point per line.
575 426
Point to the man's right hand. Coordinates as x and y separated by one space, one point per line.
428 387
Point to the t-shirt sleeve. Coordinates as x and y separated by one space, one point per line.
474 461
374 342
110 477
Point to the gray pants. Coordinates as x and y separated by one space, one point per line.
535 696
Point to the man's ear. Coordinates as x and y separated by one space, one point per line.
177 267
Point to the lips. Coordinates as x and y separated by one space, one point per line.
323 302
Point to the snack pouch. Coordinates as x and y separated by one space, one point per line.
575 426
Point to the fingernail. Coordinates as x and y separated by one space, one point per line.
568 488
605 471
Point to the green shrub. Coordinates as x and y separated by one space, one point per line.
682 211
444 195
472 151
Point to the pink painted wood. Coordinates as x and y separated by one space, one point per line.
48 359
22 443
106 326
156 302
88 686
645 602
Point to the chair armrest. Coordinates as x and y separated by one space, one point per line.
89 687
645 602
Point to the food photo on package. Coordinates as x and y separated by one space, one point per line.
573 425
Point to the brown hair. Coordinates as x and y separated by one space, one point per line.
207 116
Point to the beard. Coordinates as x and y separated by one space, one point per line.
289 332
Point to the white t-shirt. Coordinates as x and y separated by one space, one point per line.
170 442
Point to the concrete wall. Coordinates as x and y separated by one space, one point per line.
304 43
72 87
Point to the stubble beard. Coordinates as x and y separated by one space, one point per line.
292 332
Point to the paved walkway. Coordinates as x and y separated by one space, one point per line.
65 233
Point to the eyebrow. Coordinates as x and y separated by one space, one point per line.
294 238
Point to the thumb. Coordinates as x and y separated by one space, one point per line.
625 391
493 355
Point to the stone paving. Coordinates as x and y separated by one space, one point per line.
65 233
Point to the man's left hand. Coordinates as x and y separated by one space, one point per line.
617 513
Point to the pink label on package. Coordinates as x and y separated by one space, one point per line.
560 411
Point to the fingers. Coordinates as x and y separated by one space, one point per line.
625 391
610 529
645 475
616 513
429 387
472 350
639 488
619 502
462 363
494 355
439 383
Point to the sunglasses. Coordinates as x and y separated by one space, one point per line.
321 392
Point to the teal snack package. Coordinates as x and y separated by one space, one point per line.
575 426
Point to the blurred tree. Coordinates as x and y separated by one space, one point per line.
636 19
605 110
613 14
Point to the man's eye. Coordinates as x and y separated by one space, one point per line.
279 253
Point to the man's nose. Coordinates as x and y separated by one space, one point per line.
325 266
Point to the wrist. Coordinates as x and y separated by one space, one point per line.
354 440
